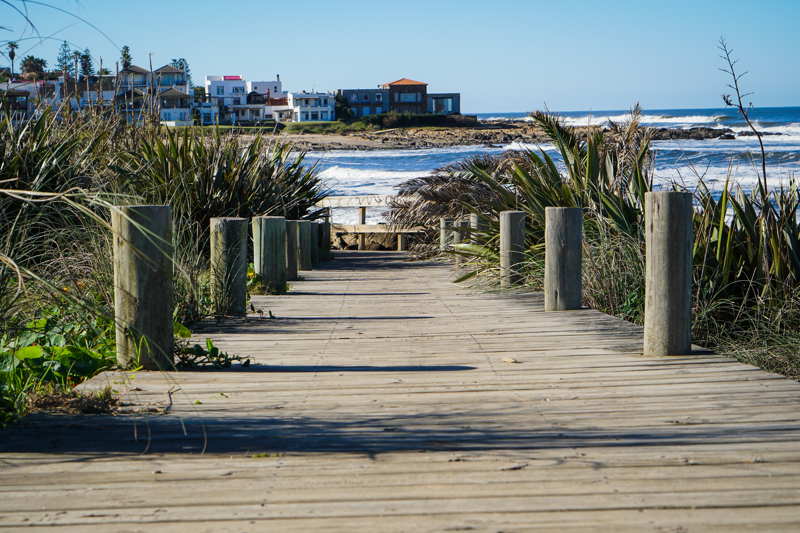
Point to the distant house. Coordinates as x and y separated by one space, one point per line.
407 96
401 96
15 103
364 102
171 77
273 90
248 102
37 93
226 90
312 106
175 108
133 77
165 90
207 112
444 103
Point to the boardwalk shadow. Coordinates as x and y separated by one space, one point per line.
370 435
336 368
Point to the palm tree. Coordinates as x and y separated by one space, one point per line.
11 46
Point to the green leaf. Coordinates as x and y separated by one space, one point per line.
181 331
29 352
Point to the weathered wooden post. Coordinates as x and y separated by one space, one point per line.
668 273
304 239
362 219
325 234
460 231
512 247
460 234
291 250
402 244
229 265
563 239
445 227
315 237
143 285
269 252
477 224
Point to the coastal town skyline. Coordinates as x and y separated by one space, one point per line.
462 52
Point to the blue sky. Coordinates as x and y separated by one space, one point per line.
501 55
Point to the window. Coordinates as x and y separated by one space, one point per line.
314 116
237 90
378 97
237 101
366 110
366 98
409 97
220 90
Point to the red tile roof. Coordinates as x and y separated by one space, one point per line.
405 81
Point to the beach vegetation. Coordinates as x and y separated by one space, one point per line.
60 174
746 251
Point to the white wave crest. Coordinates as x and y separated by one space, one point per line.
647 120
354 181
399 152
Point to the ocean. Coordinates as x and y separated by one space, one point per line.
683 161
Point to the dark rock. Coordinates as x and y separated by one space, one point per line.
763 133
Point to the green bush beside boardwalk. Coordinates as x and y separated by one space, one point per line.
59 176
746 254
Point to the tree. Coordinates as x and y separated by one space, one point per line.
64 59
342 108
182 64
75 63
104 71
125 59
12 46
87 67
34 65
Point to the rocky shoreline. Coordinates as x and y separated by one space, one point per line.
487 134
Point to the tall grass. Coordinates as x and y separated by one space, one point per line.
746 248
59 175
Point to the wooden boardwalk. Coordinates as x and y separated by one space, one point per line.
385 398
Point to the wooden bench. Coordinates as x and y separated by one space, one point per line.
362 229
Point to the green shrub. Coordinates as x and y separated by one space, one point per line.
746 248
59 176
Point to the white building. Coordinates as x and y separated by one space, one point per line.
227 90
37 93
270 89
241 101
312 106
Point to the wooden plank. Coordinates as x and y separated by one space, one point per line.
383 397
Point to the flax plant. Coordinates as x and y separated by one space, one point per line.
746 247
61 173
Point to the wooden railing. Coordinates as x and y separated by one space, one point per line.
362 229
143 269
